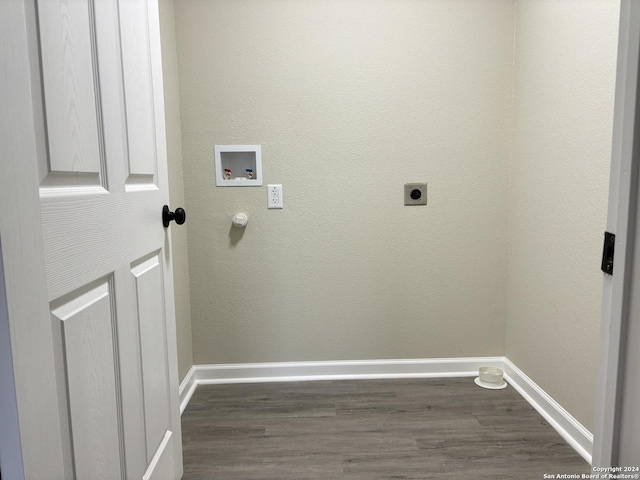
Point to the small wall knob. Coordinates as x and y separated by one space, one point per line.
179 216
240 220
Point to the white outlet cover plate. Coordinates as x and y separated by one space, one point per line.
274 196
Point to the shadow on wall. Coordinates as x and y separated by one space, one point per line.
235 235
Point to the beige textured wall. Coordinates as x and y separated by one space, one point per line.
564 85
349 99
176 187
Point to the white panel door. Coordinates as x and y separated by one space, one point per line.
103 183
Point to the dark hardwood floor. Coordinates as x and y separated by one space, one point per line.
369 429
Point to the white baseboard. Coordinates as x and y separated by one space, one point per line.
562 421
566 425
187 387
341 370
335 370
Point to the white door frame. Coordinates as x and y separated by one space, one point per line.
623 198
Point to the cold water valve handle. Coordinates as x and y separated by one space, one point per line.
179 216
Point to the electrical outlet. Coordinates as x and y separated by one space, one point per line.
274 199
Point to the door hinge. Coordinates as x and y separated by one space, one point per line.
607 253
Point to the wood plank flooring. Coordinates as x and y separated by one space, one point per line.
369 429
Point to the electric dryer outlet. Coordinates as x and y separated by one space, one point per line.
415 194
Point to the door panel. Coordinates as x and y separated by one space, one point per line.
155 373
133 416
67 43
136 63
86 355
163 464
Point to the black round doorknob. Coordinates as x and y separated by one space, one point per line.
179 216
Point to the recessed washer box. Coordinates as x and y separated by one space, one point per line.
238 165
